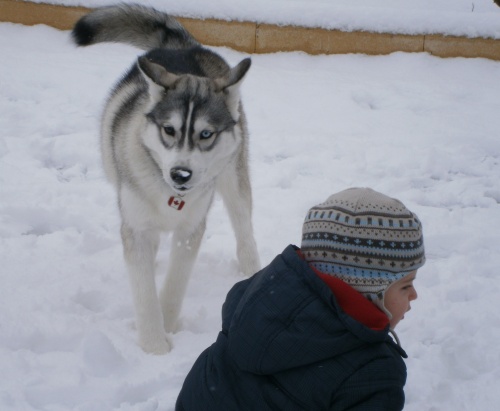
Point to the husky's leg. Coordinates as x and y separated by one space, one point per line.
182 257
140 248
234 187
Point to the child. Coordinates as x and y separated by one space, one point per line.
311 330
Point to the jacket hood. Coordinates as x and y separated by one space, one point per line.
286 317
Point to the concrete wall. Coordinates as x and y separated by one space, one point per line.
251 37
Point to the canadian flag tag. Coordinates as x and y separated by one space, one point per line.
176 202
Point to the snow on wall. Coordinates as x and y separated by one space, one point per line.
470 18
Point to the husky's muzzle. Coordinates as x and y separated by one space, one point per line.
180 176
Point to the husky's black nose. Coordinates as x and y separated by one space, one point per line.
180 175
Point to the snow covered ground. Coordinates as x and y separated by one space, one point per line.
416 127
471 18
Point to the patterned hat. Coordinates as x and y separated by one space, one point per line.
364 238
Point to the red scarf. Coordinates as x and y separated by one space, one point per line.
353 303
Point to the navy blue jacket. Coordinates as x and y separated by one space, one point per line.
286 345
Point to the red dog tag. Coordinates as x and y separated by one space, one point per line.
176 202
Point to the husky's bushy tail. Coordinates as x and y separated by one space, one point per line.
133 24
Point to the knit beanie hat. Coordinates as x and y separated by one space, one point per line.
364 238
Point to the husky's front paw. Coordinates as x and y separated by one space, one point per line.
158 346
170 324
248 261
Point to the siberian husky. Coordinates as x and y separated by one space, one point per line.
173 133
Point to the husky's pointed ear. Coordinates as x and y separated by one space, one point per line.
157 77
230 85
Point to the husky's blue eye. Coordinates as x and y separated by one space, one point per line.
205 134
169 130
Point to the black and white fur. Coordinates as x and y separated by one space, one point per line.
173 133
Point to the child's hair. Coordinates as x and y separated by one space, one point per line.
364 238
